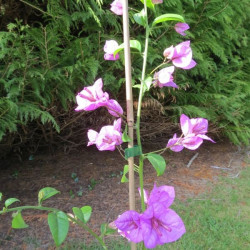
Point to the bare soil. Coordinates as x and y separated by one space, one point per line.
90 177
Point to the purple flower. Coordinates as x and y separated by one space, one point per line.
108 138
194 131
116 7
181 27
109 49
180 55
157 1
191 142
195 127
175 144
163 194
114 108
164 78
160 225
129 226
93 97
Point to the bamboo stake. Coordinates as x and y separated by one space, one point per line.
129 101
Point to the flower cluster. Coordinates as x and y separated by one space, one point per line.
93 97
180 55
157 225
194 132
108 138
164 78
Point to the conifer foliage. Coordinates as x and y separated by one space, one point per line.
50 48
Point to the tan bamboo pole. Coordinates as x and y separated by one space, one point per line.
129 102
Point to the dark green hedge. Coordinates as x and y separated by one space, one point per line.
54 48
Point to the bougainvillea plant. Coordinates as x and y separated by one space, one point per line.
156 223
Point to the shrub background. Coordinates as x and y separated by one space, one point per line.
50 49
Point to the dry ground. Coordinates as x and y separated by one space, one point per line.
96 182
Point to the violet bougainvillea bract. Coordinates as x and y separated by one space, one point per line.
93 97
157 225
194 132
181 28
109 48
116 7
180 55
164 78
108 138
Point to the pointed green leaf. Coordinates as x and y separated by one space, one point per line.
78 214
103 229
147 82
158 163
137 86
18 222
140 18
86 210
125 171
149 4
83 214
133 44
106 230
134 151
168 17
59 226
10 201
1 196
125 137
46 193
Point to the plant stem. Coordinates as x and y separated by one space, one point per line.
141 183
138 133
159 66
159 150
50 209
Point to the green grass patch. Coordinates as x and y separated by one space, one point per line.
218 219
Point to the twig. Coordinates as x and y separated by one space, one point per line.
221 168
192 159
235 176
230 162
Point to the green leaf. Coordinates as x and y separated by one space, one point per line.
59 226
86 210
10 201
125 171
46 193
1 196
131 152
125 137
149 4
18 222
168 17
133 44
140 18
137 86
106 230
147 82
158 163
83 214
103 229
